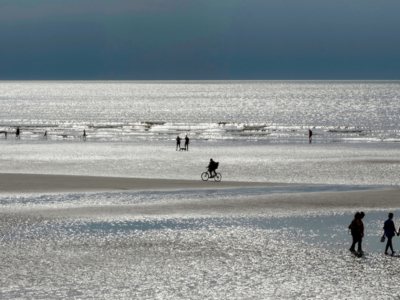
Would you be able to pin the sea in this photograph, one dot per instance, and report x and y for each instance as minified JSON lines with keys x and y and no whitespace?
{"x":257,"y":130}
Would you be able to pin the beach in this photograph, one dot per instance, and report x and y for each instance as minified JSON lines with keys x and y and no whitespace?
{"x":102,"y":237}
{"x":122,"y":214}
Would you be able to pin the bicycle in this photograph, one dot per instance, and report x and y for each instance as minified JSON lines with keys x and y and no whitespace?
{"x":217,"y":177}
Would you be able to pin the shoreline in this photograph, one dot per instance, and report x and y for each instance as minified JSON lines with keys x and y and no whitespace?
{"x":12,"y":183}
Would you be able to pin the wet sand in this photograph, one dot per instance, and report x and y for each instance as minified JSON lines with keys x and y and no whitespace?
{"x":269,"y":204}
{"x":38,"y":183}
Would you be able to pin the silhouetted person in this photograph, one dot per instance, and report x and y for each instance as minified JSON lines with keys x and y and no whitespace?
{"x":357,"y":231}
{"x":362,"y":215}
{"x":178,"y":143}
{"x":309,"y":135}
{"x":45,"y":134}
{"x":17,"y":133}
{"x":390,"y":232}
{"x":187,"y":143}
{"x":84,"y":134}
{"x":212,"y":166}
{"x":5,"y":134}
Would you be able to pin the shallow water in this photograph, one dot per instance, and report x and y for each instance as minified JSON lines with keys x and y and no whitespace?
{"x":182,"y":257}
{"x":113,"y":198}
{"x":321,"y":231}
{"x":273,"y":111}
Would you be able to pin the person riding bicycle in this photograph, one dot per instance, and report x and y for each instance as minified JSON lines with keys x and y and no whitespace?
{"x":212,"y":166}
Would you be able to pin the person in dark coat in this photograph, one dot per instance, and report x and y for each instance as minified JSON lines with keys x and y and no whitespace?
{"x":178,"y":143}
{"x":187,"y":143}
{"x":212,"y":166}
{"x":17,"y":133}
{"x":390,"y":232}
{"x":357,"y":232}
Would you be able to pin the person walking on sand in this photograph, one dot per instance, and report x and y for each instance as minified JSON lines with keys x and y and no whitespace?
{"x":309,"y":135}
{"x":390,"y":232}
{"x":17,"y":133}
{"x":84,"y":134}
{"x":357,"y":232}
{"x":187,"y":143}
{"x":178,"y":143}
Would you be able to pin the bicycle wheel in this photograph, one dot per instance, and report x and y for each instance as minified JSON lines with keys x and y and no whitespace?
{"x":205,"y":176}
{"x":218,"y":177}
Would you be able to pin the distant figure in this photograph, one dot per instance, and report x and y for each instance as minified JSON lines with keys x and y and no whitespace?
{"x":84,"y":134}
{"x":178,"y":143}
{"x":45,"y":134}
{"x":212,"y":166}
{"x":357,"y":232}
{"x":187,"y":143}
{"x":5,"y":134}
{"x":17,"y":133}
{"x":309,"y":135}
{"x":390,"y":232}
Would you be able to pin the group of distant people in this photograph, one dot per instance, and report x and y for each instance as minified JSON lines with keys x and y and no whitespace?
{"x":178,"y":139}
{"x":178,"y":143}
{"x":18,"y":134}
{"x":357,"y":232}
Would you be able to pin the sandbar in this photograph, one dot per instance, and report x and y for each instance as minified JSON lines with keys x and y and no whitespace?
{"x":268,"y":204}
{"x":42,"y":183}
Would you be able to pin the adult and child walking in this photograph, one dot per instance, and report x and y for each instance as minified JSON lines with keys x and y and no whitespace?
{"x":357,"y":232}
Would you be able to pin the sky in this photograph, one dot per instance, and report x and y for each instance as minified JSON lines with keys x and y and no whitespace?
{"x":199,"y":39}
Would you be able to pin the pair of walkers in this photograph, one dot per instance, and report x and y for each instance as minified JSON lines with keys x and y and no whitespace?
{"x":357,"y":232}
{"x":178,"y":143}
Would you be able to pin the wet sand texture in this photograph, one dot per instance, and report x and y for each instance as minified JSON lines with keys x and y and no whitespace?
{"x":270,"y":204}
{"x":298,"y":203}
{"x":38,"y":183}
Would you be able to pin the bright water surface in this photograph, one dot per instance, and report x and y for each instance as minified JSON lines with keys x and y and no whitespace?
{"x":273,"y":111}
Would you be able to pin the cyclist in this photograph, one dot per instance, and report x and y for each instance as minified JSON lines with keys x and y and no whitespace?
{"x":212,"y":166}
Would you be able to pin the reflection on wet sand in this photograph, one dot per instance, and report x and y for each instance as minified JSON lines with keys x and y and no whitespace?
{"x":50,"y":250}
